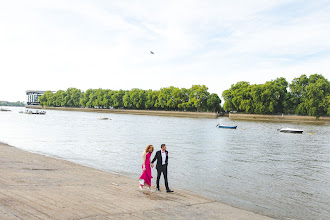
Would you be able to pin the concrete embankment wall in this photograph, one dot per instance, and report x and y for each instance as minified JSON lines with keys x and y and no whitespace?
{"x":135,"y":112}
{"x":279,"y":118}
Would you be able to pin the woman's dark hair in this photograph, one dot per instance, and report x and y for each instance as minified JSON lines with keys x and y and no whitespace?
{"x":161,"y":146}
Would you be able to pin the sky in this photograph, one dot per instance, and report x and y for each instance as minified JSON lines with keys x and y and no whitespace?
{"x":58,"y":44}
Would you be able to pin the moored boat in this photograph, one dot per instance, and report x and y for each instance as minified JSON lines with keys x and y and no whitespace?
{"x":291,"y":130}
{"x":4,"y":110}
{"x":40,"y":113}
{"x":101,"y":118}
{"x":29,"y":112}
{"x":228,"y":127}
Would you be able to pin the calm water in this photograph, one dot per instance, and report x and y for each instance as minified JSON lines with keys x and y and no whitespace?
{"x":255,"y":167}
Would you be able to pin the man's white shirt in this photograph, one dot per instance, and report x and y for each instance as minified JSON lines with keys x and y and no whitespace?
{"x":163,"y":157}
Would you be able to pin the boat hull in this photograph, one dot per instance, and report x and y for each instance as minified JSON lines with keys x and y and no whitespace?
{"x":295,"y":132}
{"x":34,"y":113}
{"x":291,"y":130}
{"x":227,"y":127}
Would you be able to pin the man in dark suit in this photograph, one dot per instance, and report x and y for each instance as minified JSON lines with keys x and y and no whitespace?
{"x":161,"y":166}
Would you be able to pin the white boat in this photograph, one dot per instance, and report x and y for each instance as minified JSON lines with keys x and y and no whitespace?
{"x":291,"y":130}
{"x":29,"y":112}
{"x":101,"y":118}
{"x":40,"y":113}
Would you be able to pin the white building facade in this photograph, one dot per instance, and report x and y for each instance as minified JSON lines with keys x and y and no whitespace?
{"x":33,"y":96}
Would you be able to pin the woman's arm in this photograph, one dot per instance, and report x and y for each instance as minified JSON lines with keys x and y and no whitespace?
{"x":144,"y":155}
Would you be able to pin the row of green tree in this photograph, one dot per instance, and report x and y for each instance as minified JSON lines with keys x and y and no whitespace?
{"x":6,"y":103}
{"x":197,"y":98}
{"x":303,"y":96}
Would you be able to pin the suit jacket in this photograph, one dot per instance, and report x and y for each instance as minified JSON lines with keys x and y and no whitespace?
{"x":158,"y":157}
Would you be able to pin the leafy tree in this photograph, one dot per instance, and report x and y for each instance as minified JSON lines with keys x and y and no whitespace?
{"x":98,"y":98}
{"x":198,"y":96}
{"x":297,"y":90}
{"x":273,"y":95}
{"x":43,"y":100}
{"x":152,"y":97}
{"x":73,"y":97}
{"x":137,"y":98}
{"x":127,"y":100}
{"x":142,"y":99}
{"x":6,"y":103}
{"x":178,"y":97}
{"x":162,"y":99}
{"x":59,"y":98}
{"x":260,"y":99}
{"x":168,"y":94}
{"x":117,"y":98}
{"x":184,"y":96}
{"x":235,"y":96}
{"x":309,"y":95}
{"x":47,"y":99}
{"x":213,"y":103}
{"x":327,"y":104}
{"x":91,"y":98}
{"x":107,"y":98}
{"x":85,"y":97}
{"x":169,"y":98}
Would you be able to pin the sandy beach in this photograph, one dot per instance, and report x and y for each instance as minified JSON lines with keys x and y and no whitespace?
{"x":33,"y":186}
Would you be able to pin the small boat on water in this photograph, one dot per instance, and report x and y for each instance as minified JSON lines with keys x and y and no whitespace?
{"x":29,"y":112}
{"x":228,"y":127}
{"x":4,"y":110}
{"x":40,"y":113}
{"x":101,"y":118}
{"x":291,"y":130}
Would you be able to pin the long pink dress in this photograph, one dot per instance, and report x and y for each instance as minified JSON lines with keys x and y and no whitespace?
{"x":146,"y":175}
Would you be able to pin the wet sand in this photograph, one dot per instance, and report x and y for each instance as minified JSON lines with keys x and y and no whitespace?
{"x":33,"y":186}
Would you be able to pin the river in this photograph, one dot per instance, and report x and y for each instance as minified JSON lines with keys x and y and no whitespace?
{"x":254,"y":167}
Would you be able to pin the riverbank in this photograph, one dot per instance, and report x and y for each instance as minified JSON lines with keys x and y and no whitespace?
{"x":279,"y":118}
{"x":134,"y":112}
{"x":33,"y":186}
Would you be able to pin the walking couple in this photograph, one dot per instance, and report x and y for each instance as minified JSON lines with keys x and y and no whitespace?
{"x":161,"y":166}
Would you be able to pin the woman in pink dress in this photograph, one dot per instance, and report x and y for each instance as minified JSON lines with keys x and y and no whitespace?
{"x":145,"y":178}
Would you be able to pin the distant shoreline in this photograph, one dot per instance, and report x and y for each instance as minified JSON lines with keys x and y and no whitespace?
{"x":232,"y":116}
{"x":279,"y":118}
{"x":135,"y":112}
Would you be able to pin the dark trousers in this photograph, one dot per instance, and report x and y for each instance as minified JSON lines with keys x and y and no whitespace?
{"x":160,"y":170}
